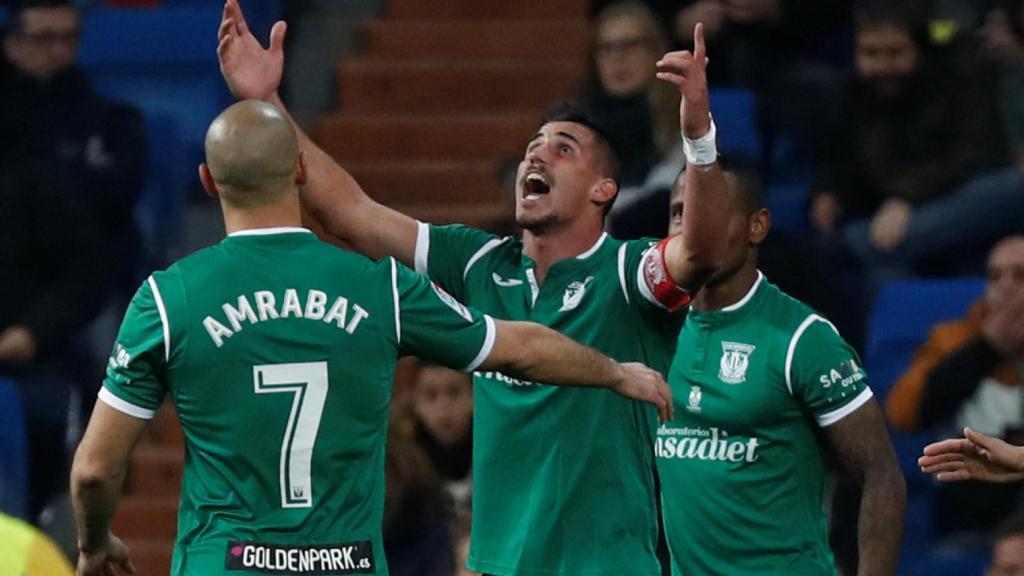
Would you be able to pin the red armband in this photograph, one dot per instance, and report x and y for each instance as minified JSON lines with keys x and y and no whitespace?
{"x":661,"y":288}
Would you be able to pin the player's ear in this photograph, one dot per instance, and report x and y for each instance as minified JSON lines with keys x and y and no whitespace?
{"x":604,"y":192}
{"x":300,"y":169}
{"x":760,"y":224}
{"x":206,"y":178}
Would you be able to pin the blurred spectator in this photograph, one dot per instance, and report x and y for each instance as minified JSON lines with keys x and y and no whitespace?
{"x":442,"y":404}
{"x":1003,"y":38}
{"x":417,"y":536}
{"x":1008,"y":549}
{"x":51,"y":112}
{"x":968,"y":373}
{"x":640,"y":112}
{"x":50,"y":252}
{"x":25,"y":550}
{"x":917,"y":182}
{"x":461,"y":531}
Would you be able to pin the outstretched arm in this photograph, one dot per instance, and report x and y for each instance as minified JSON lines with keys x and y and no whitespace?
{"x":974,"y":457}
{"x":534,"y":352}
{"x":693,"y":256}
{"x":334,"y":200}
{"x":96,"y":479}
{"x":862,"y":445}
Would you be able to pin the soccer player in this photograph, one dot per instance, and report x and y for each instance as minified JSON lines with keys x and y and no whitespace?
{"x":562,"y":479}
{"x":278,"y":351}
{"x":766,"y":389}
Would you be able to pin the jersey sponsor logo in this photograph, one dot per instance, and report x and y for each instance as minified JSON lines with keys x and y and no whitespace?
{"x":452,"y":302}
{"x":694,"y":401}
{"x":347,"y":558}
{"x":499,"y":377}
{"x":574,"y":293}
{"x":119,"y":358}
{"x":345,"y":315}
{"x":732,"y":368}
{"x":846,"y":374}
{"x":506,"y":281}
{"x":704,"y":444}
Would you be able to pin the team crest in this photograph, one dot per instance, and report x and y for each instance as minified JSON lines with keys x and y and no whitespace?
{"x":695,"y":396}
{"x":732,"y":369}
{"x":574,"y":294}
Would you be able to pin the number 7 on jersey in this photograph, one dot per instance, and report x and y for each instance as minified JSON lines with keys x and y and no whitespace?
{"x":307,"y":382}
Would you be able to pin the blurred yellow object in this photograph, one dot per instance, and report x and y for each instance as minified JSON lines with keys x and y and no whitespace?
{"x":25,"y":551}
{"x":942,"y":31}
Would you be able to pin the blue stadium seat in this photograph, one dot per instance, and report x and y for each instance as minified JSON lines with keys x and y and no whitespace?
{"x":903,"y":315}
{"x":735,"y":118}
{"x":945,"y":563}
{"x":160,"y":207}
{"x":13,"y":452}
{"x":788,"y":206}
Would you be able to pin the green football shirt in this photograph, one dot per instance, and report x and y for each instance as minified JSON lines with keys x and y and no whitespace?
{"x":562,"y":477}
{"x":742,"y":464}
{"x":278,"y":351}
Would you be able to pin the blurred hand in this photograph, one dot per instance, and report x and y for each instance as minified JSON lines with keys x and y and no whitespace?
{"x":639,"y":382}
{"x":889,"y":225}
{"x":112,"y":560}
{"x":974,"y":457}
{"x":707,"y":12}
{"x":1003,"y":327}
{"x":825,"y":212}
{"x":251,"y":72}
{"x":752,"y":11}
{"x":17,"y":345}
{"x":688,"y":71}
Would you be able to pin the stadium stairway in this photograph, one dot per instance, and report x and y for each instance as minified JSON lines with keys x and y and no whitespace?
{"x":445,"y":93}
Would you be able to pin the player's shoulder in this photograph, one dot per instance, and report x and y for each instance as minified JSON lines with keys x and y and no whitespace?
{"x":785,"y":310}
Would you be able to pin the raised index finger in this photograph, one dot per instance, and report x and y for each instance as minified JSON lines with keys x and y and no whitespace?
{"x":699,"y":51}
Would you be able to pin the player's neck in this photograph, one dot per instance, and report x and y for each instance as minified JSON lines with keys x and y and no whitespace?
{"x":546,"y":248}
{"x":728,"y":292}
{"x":273,"y":216}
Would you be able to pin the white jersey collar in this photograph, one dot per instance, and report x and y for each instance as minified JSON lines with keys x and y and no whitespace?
{"x":594,"y":248}
{"x":750,"y":294}
{"x":269,"y":231}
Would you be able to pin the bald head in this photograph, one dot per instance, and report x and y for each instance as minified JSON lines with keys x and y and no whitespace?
{"x":252,"y":153}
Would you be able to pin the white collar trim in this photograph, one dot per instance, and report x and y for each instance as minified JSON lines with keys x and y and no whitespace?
{"x":269,"y":231}
{"x":745,"y":299}
{"x":594,"y":248}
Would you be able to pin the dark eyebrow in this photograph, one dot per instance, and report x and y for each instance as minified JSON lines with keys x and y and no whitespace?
{"x":533,"y":138}
{"x":570,"y":137}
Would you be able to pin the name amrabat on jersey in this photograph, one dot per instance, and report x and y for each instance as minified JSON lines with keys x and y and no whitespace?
{"x":264,"y":306}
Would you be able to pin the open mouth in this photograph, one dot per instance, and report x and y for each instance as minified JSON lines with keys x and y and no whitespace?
{"x":535,"y":185}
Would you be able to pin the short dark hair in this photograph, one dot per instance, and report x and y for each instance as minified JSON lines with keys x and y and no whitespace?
{"x":751,"y":188}
{"x":910,"y":15}
{"x":17,"y":9}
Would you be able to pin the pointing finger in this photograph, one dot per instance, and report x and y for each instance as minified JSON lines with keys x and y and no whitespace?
{"x":699,"y":50}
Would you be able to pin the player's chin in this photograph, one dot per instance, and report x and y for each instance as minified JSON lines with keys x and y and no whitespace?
{"x":534,"y":221}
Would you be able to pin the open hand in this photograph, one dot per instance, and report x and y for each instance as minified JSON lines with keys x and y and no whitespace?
{"x":251,"y":72}
{"x":974,"y":457}
{"x":641,"y":383}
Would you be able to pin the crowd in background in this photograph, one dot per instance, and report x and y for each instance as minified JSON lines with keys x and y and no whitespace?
{"x":902,"y":121}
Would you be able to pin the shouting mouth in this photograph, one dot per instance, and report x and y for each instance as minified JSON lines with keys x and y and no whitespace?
{"x":535,"y":185}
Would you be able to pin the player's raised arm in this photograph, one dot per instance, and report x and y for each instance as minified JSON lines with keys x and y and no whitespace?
{"x":331,"y":196}
{"x":534,"y":352}
{"x":692,"y":257}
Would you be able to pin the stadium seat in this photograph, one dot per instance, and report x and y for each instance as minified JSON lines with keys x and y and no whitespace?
{"x":13,"y":452}
{"x":735,"y":117}
{"x":946,"y":563}
{"x":160,"y":207}
{"x":903,"y":315}
{"x":788,"y":206}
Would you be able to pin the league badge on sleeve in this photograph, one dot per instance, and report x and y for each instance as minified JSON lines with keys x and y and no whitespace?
{"x":452,"y":303}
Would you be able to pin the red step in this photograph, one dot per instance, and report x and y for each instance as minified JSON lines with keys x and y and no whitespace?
{"x":486,"y":9}
{"x":147,"y":517}
{"x":534,"y":40}
{"x":156,"y":471}
{"x":371,"y":85}
{"x":442,"y":137}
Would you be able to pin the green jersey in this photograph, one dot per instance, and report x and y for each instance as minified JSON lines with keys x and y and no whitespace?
{"x":562,"y":477}
{"x":742,"y":464}
{"x":278,"y":351}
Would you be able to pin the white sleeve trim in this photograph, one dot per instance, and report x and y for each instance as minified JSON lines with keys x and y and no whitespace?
{"x":845,"y":410}
{"x":422,"y":252}
{"x":125,"y":407}
{"x":490,"y":245}
{"x":394,"y":294}
{"x":163,"y":317}
{"x":792,"y":347}
{"x":622,"y":271}
{"x":641,"y":283}
{"x":488,"y":345}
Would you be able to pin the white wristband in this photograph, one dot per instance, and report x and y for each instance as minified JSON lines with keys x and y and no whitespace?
{"x":702,"y":151}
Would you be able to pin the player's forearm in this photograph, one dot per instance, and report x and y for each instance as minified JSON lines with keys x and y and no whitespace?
{"x":95,"y":491}
{"x":702,"y":246}
{"x":533,"y":352}
{"x":880,"y":529}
